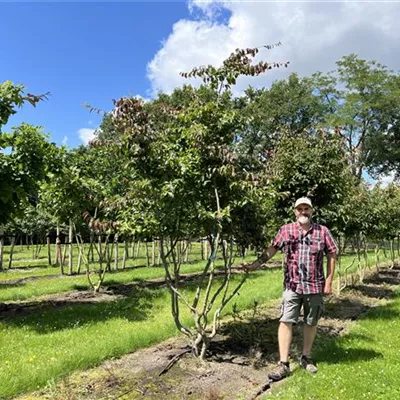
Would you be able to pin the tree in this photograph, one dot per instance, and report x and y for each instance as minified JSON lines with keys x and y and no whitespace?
{"x":362,"y":98}
{"x":24,"y":163}
{"x":289,"y":106}
{"x":186,"y":182}
{"x":313,"y":165}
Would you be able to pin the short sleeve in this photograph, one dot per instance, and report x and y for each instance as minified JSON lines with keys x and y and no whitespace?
{"x":330,"y":244}
{"x":279,"y":240}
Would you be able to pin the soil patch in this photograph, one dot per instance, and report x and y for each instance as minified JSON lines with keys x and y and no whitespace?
{"x":238,"y":361}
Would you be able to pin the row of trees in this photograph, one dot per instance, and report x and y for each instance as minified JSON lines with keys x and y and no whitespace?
{"x":202,"y":163}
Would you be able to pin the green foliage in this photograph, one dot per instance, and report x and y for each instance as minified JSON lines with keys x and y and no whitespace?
{"x":12,"y":96}
{"x":23,"y":168}
{"x":362,"y":98}
{"x":289,"y":106}
{"x":312,"y":165}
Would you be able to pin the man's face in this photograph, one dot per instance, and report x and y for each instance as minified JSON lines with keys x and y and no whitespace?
{"x":303,"y":213}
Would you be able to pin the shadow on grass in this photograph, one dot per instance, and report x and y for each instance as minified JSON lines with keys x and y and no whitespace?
{"x":49,"y":316}
{"x":29,"y":265}
{"x":345,"y":309}
{"x":376,"y":292}
{"x":336,"y":353}
{"x":10,"y":283}
{"x":256,"y":341}
{"x":13,"y":284}
{"x":384,"y":312}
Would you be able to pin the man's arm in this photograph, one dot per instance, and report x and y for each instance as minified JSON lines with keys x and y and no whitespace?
{"x":265,"y":256}
{"x":329,"y":273}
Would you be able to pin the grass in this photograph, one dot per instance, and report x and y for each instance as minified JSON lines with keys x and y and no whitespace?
{"x":51,"y":342}
{"x":46,"y":286}
{"x":361,"y":365}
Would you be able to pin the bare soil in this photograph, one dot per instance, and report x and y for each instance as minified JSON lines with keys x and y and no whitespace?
{"x":238,"y":361}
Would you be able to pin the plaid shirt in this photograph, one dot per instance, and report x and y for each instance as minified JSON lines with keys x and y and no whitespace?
{"x":304,"y":272}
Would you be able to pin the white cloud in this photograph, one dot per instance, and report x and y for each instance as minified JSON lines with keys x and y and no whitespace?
{"x":313,"y":34}
{"x":65,"y":140}
{"x":139,"y":97}
{"x":86,"y":135}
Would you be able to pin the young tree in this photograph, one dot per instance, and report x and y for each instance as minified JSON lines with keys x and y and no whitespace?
{"x":186,"y":182}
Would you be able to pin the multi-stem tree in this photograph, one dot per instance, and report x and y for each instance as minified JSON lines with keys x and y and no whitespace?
{"x":186,"y":182}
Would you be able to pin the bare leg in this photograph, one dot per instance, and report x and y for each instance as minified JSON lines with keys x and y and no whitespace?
{"x":285,"y":340}
{"x":309,"y":335}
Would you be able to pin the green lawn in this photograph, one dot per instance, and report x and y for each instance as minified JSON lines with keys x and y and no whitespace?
{"x":364,"y":364}
{"x":48,"y":341}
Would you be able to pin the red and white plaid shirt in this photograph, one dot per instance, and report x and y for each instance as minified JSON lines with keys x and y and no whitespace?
{"x":304,"y":272}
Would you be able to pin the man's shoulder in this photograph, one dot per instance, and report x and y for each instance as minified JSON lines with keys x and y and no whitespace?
{"x":289,"y":226}
{"x":321,"y":228}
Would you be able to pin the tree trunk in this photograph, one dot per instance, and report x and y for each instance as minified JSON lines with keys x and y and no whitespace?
{"x":153,"y":252}
{"x":70,"y":240}
{"x":100,"y":251}
{"x":64,"y":253}
{"x":377,"y":250}
{"x":108,"y":257}
{"x":205,"y":244}
{"x":1,"y":249}
{"x":91,"y":252}
{"x":187,"y":251}
{"x":116,"y":252}
{"x":33,"y":248}
{"x":11,"y":252}
{"x":132,"y":248}
{"x":138,"y":249}
{"x":58,"y":256}
{"x":48,"y":249}
{"x":391,"y":253}
{"x":147,"y":254}
{"x":78,"y":268}
{"x":126,"y":255}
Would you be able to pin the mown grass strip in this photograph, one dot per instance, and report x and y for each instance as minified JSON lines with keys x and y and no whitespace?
{"x":50,"y":342}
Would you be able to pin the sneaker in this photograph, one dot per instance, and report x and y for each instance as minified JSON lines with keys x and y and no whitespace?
{"x":281,"y":371}
{"x":308,"y":364}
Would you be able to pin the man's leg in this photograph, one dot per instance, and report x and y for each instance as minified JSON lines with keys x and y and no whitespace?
{"x":291,"y":305}
{"x":313,"y":308}
{"x":309,"y":335}
{"x":285,"y":340}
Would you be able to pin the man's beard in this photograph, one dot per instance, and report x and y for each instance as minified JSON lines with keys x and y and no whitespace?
{"x":303,"y":219}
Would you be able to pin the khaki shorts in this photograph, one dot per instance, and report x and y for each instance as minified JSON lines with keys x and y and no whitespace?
{"x":313,"y":305}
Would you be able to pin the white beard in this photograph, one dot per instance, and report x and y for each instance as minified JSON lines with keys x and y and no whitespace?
{"x":303,"y":220}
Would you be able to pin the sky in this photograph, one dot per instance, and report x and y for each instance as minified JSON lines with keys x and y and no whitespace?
{"x":93,"y":52}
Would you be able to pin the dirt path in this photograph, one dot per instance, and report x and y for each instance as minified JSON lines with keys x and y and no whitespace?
{"x":239,"y":358}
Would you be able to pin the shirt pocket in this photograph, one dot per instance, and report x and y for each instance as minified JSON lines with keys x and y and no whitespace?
{"x":292,"y":246}
{"x":317,"y":246}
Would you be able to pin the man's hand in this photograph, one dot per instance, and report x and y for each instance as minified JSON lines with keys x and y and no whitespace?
{"x":251,"y":267}
{"x":328,"y":288}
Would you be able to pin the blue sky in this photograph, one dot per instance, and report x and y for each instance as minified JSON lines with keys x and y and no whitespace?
{"x":93,"y":52}
{"x":80,"y":53}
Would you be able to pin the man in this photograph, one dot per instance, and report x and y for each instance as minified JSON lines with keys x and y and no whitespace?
{"x":304,"y":244}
